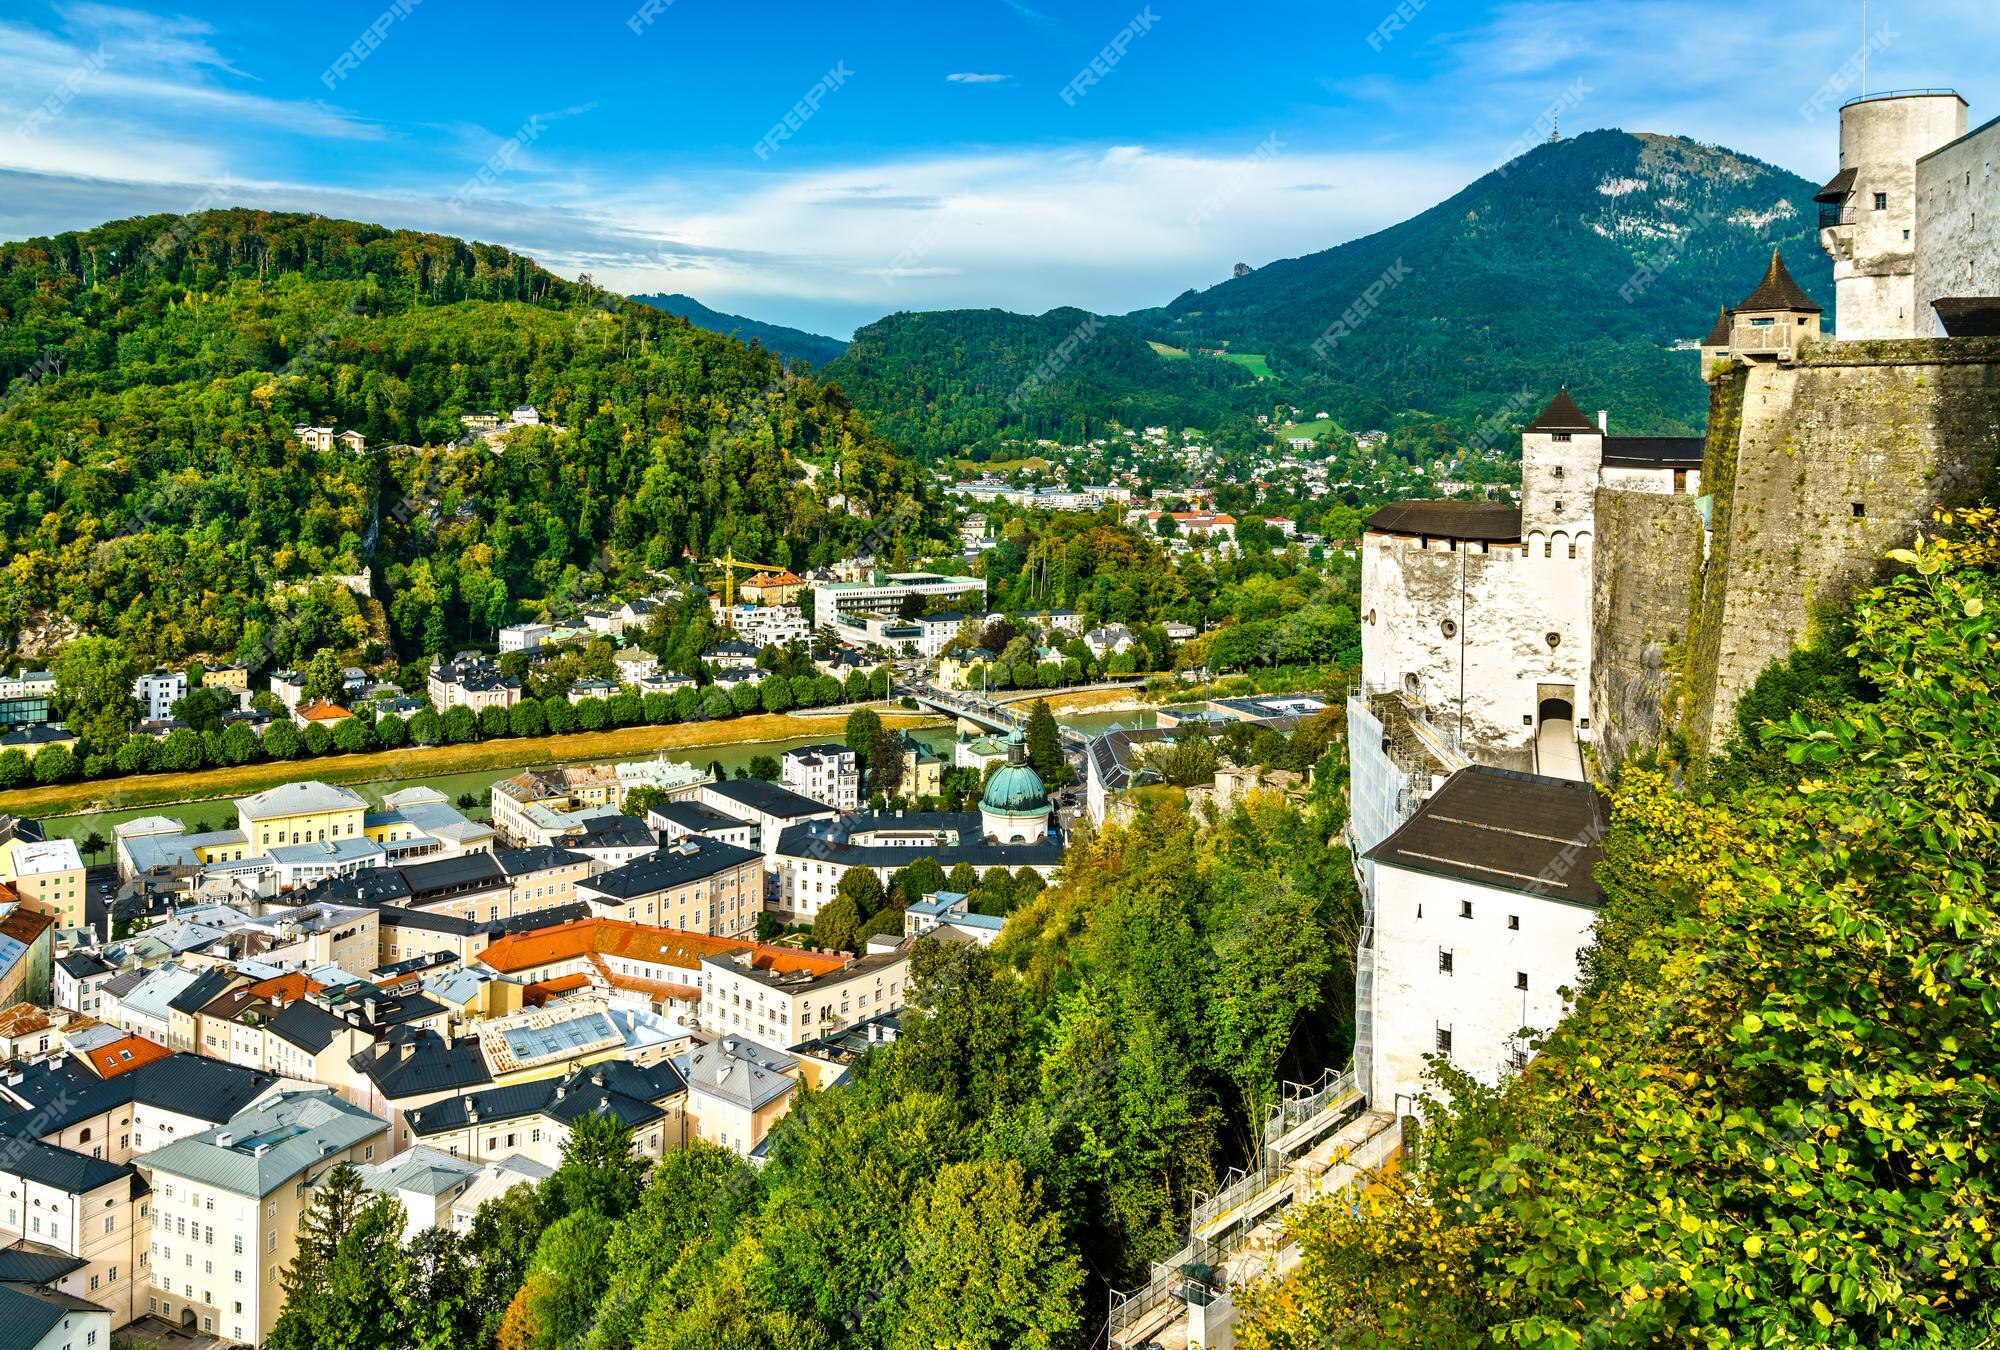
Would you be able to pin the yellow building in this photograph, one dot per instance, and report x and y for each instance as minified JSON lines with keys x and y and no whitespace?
{"x":299,"y":813}
{"x":46,"y":873}
{"x":236,"y":679}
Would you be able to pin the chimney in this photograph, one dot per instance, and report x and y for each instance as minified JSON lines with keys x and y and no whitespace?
{"x":225,"y":1140}
{"x":1603,"y":421}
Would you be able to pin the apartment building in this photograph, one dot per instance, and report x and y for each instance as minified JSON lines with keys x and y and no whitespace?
{"x":696,"y":884}
{"x":228,"y":1203}
{"x":828,"y":773}
{"x":47,"y":875}
{"x":300,"y":813}
{"x":736,"y":1091}
{"x":477,"y":685}
{"x":539,"y":807}
{"x":778,"y":1001}
{"x":81,"y":1208}
{"x":532,"y":1120}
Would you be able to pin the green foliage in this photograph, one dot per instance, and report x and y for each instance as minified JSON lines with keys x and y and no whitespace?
{"x":347,"y":1286}
{"x":1765,"y":1122}
{"x":153,"y":490}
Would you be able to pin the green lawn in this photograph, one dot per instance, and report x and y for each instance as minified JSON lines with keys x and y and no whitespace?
{"x":1252,"y":362}
{"x":1310,"y":429}
{"x":1171,"y":353}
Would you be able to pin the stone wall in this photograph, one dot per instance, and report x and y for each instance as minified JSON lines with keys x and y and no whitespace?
{"x":1834,"y":461}
{"x":1648,"y":557}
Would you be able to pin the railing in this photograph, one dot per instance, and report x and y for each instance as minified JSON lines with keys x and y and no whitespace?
{"x":1775,"y":338}
{"x":1127,"y":1309}
{"x":1899,"y":93}
{"x":1832,"y":216}
{"x":1301,"y":1103}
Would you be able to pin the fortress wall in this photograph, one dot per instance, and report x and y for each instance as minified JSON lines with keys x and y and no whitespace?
{"x":1837,"y":459}
{"x":1648,"y":560}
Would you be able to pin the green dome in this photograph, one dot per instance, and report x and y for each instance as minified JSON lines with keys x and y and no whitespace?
{"x":1015,"y":789}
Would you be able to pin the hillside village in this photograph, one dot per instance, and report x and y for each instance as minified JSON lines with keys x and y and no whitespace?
{"x":437,"y":992}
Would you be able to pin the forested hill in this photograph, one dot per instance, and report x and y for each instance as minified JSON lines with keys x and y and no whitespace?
{"x":792,"y":344}
{"x":947,"y":380}
{"x":1583,"y":261}
{"x":151,"y":486}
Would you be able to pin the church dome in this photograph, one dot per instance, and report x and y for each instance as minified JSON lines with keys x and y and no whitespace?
{"x":1015,"y":788}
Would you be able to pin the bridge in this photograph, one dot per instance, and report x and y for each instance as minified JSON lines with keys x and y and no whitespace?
{"x":1004,"y":713}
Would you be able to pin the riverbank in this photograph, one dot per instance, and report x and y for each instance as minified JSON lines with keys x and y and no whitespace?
{"x":429,"y":761}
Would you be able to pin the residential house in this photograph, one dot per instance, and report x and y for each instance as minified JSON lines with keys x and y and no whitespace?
{"x":736,"y":1091}
{"x":473,"y":684}
{"x":696,"y":884}
{"x":158,"y":691}
{"x":829,"y":773}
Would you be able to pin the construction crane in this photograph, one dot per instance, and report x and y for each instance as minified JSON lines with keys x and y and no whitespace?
{"x":727,"y":565}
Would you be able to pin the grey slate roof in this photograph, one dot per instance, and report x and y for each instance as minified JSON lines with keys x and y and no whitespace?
{"x":258,"y":1150}
{"x":692,"y":859}
{"x":828,"y":840}
{"x":60,"y":1168}
{"x":32,"y":1263}
{"x":768,"y":798}
{"x":1493,"y":522}
{"x":1653,"y":452}
{"x":290,"y":799}
{"x":28,"y":1314}
{"x":740,"y":1072}
{"x":1515,"y":831}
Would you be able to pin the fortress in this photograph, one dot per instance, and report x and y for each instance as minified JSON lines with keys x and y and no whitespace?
{"x":1511,"y":655}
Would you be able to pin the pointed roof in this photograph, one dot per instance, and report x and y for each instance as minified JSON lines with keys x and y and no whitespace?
{"x":1562,"y":414}
{"x":1718,"y":336}
{"x":1778,"y":291}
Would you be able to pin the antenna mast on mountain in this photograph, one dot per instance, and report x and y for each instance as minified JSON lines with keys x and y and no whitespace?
{"x":1556,"y":131}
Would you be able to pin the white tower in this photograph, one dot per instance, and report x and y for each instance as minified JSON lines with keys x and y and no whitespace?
{"x":1868,"y":213}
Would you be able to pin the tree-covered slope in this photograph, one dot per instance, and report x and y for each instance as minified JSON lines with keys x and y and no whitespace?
{"x":793,"y":344}
{"x":1584,"y":260}
{"x":948,"y":381}
{"x":151,"y":486}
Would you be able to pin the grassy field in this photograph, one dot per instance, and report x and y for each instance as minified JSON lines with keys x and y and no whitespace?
{"x":1252,"y":362}
{"x":1171,"y":353}
{"x":1033,"y":463}
{"x":437,"y":765}
{"x":1312,"y":429}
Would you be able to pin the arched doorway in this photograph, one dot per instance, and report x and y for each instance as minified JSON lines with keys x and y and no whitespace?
{"x":1554,"y":710}
{"x":187,"y":1319}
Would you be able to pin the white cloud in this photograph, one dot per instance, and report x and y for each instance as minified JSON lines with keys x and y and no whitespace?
{"x":969,"y":77}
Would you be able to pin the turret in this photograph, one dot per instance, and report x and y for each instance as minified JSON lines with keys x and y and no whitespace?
{"x":1560,"y":454}
{"x":1868,"y":212}
{"x":1775,"y":320}
{"x":1715,"y":347}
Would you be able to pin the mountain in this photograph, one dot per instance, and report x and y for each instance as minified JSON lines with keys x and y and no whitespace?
{"x":152,"y":489}
{"x":940,"y":383}
{"x":793,"y":344}
{"x":1584,"y":261}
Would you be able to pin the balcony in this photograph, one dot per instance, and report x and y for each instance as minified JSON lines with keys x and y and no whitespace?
{"x":1776,"y":340}
{"x":1833,"y":217}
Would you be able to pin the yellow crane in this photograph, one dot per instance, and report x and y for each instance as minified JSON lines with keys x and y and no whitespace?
{"x":727,"y":565}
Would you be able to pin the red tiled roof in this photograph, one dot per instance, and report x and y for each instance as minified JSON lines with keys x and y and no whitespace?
{"x":123,"y":1056}
{"x":322,"y":711}
{"x":520,"y":952}
{"x":22,"y":1019}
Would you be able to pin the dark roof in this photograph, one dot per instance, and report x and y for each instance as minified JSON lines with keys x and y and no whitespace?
{"x":58,"y":1095}
{"x":625,"y":1091}
{"x":1718,"y":336}
{"x":827,"y":840}
{"x":1514,"y":831}
{"x":83,"y":965}
{"x":768,"y":798}
{"x":1112,"y":757}
{"x":1778,"y":291}
{"x":369,"y":886}
{"x":691,"y":859}
{"x":697,"y":817}
{"x":411,"y":1064}
{"x":1837,"y":188}
{"x":544,"y":918}
{"x":1562,"y":414}
{"x":423,"y":920}
{"x":520,"y":861}
{"x":1494,"y":522}
{"x":28,"y":1314}
{"x":307,"y":1025}
{"x":452,"y":876}
{"x":60,"y":1168}
{"x":29,"y":1263}
{"x":1653,"y":452}
{"x":611,"y":832}
{"x":203,"y":989}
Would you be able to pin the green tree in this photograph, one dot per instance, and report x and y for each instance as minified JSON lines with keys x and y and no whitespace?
{"x":765,"y":768}
{"x":346,"y":1287}
{"x":598,"y":1171}
{"x":15,"y":770}
{"x":558,"y":1300}
{"x":885,"y":762}
{"x":864,"y":726}
{"x":526,"y":719}
{"x":55,"y":764}
{"x":1045,"y":752}
{"x":838,"y":922}
{"x":461,"y":725}
{"x":94,"y":679}
{"x":980,"y":1226}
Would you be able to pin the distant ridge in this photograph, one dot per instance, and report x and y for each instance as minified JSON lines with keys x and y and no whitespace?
{"x":792,"y":344}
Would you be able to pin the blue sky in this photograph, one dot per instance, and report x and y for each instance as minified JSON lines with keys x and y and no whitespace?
{"x":822,"y":164}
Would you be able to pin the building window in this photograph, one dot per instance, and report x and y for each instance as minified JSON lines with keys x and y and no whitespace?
{"x":1444,"y":1040}
{"x":1449,"y":628}
{"x":1514,"y":923}
{"x":1560,"y":436}
{"x":1520,"y":979}
{"x":1881,"y":201}
{"x":1559,"y":468}
{"x":1465,"y":909}
{"x":1860,"y":508}
{"x":1517,"y":1060}
{"x":1444,"y":961}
